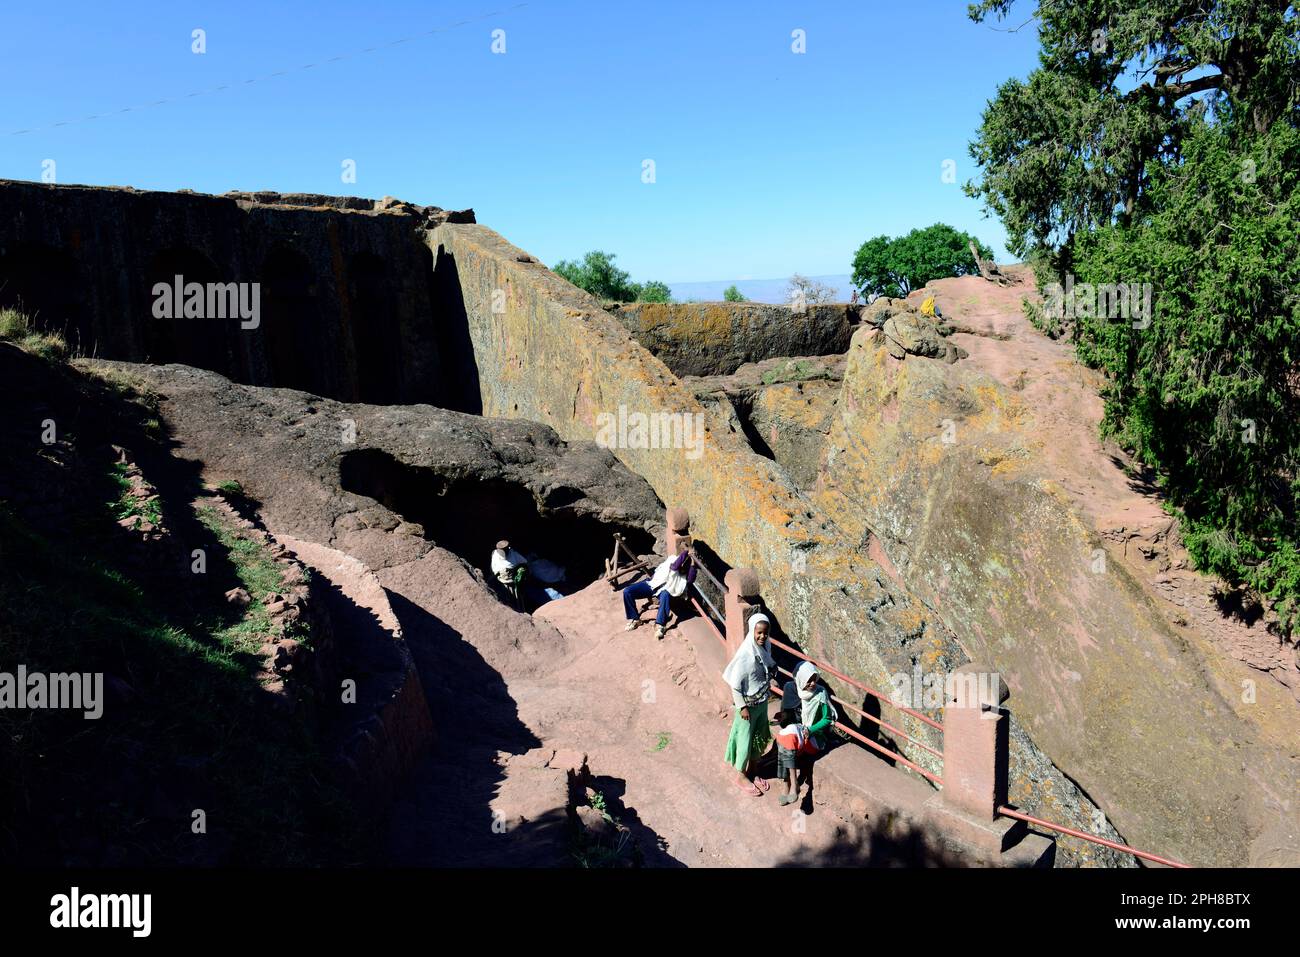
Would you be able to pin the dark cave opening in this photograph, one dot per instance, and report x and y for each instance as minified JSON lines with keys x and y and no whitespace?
{"x":469,"y":516}
{"x":376,"y":337}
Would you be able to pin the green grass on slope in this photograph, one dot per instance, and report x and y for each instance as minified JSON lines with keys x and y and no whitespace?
{"x":189,"y":735}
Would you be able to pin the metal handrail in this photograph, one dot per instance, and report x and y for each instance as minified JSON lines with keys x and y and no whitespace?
{"x":1094,"y":838}
{"x":1003,"y":810}
{"x":870,"y":717}
{"x":822,"y":666}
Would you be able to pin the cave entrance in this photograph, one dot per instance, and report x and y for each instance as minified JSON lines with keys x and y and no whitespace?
{"x":469,"y":516}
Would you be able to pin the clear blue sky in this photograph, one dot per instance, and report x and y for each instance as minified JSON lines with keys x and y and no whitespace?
{"x":767,"y":162}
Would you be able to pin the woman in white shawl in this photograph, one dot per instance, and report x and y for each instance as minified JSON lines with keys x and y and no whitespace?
{"x":750,"y":677}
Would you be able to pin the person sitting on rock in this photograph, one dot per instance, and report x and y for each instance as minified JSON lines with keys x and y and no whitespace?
{"x":670,"y":580}
{"x":806,"y":714}
{"x":931,"y":308}
{"x":749,"y":675}
{"x":510,"y":568}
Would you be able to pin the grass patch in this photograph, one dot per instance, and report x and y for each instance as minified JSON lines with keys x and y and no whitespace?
{"x":259,"y":575}
{"x":128,"y":506}
{"x":191,"y":735}
{"x":17,"y":328}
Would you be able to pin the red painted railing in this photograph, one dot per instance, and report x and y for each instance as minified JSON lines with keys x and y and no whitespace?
{"x":1003,"y":810}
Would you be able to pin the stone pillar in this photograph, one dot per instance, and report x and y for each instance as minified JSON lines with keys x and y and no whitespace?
{"x":678,"y":521}
{"x":975,"y":743}
{"x":741,"y":602}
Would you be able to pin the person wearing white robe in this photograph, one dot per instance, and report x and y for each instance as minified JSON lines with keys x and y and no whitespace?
{"x":749,"y":675}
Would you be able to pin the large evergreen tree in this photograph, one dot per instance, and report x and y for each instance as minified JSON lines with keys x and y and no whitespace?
{"x":1157,"y":144}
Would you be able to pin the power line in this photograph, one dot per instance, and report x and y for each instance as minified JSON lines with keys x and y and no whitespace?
{"x":268,"y":76}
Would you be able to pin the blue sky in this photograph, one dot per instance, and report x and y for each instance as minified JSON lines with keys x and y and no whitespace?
{"x":767,"y":162}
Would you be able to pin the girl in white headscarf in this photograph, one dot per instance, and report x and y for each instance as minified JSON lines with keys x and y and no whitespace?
{"x":808,"y":700}
{"x":749,"y":675}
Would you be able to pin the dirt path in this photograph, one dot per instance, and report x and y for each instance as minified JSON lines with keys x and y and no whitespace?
{"x":654,"y":731}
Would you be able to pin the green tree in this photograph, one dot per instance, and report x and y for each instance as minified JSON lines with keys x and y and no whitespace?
{"x":598,"y":275}
{"x":1071,"y":147}
{"x":654,"y":291}
{"x":1207,"y":393}
{"x":894,"y":267}
{"x":732,"y":294}
{"x":1156,"y":146}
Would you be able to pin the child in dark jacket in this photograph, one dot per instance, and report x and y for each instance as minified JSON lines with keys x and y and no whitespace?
{"x":670,"y":580}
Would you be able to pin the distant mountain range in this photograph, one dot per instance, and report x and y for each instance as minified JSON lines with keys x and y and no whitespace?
{"x":755,"y":290}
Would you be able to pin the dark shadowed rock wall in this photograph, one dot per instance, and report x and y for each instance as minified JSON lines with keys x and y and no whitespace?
{"x":345,"y":303}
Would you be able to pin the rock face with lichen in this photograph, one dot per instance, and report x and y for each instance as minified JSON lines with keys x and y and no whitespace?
{"x":716,"y":338}
{"x":555,"y":356}
{"x":937,"y":465}
{"x":785,"y":408}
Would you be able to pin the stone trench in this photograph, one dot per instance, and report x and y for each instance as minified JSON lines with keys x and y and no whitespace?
{"x":823,"y":468}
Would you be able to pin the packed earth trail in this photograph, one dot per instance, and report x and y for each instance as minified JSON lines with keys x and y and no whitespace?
{"x":652,"y":718}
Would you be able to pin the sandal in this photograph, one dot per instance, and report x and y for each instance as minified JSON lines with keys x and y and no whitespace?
{"x":785,"y":799}
{"x":748,"y":789}
{"x":762,"y":785}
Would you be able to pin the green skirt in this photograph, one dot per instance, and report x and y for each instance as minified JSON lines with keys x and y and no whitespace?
{"x":748,"y":739}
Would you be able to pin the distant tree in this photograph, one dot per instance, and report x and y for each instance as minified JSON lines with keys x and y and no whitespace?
{"x":802,"y":290}
{"x":598,"y":275}
{"x":653,"y":291}
{"x":732,"y":294}
{"x":894,"y":267}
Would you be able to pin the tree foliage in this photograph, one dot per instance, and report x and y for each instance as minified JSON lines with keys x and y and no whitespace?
{"x":894,"y":267}
{"x":1071,"y":147}
{"x":653,"y":291}
{"x":598,"y":275}
{"x":732,"y":294}
{"x":1209,"y":393}
{"x":1157,"y":144}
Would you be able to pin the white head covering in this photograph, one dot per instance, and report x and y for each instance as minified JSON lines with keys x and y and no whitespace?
{"x":811,"y":699}
{"x":748,"y":671}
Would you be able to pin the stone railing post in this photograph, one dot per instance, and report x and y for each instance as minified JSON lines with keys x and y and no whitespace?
{"x":975,"y":743}
{"x":678,"y":521}
{"x":742,"y":601}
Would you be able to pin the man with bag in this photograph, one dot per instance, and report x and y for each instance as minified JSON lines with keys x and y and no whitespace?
{"x":670,"y":580}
